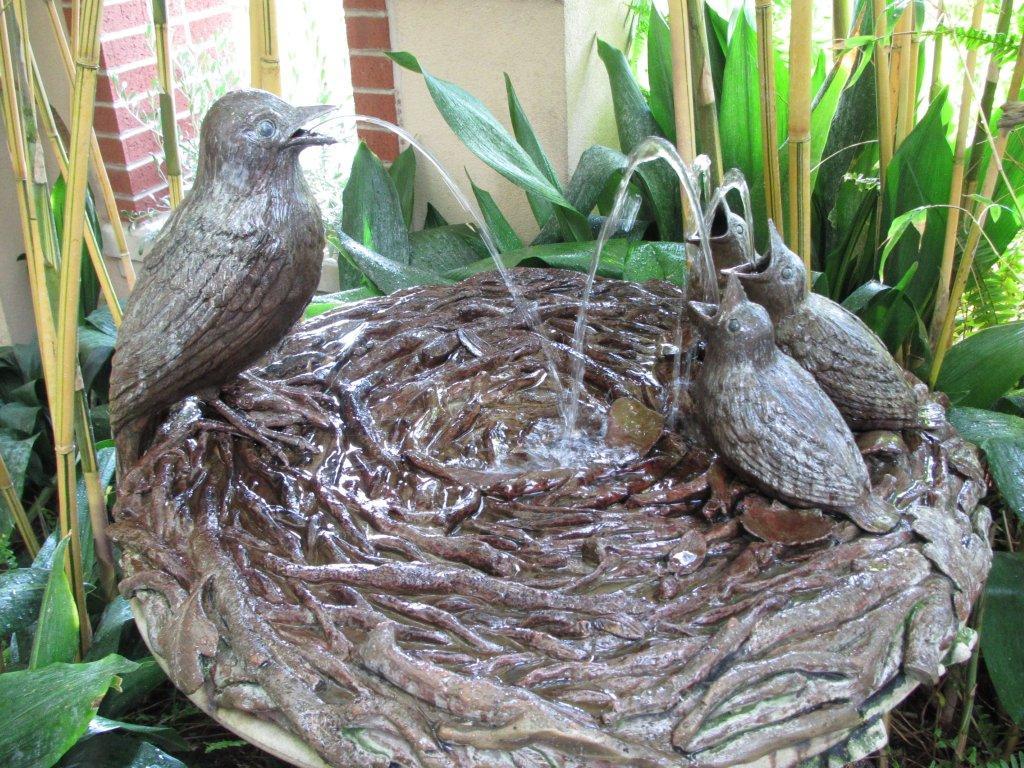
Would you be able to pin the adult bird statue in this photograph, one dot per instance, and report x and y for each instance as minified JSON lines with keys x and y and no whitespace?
{"x":848,"y":360}
{"x":228,"y":275}
{"x":770,"y":421}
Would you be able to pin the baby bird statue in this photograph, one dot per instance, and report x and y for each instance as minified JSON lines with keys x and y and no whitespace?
{"x":848,"y":360}
{"x":727,"y":236}
{"x":771,"y":422}
{"x":229,"y":274}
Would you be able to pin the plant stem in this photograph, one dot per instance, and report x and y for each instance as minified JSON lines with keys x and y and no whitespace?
{"x":94,"y":495}
{"x":706,"y":139}
{"x":87,"y":53}
{"x":840,"y":26}
{"x":99,"y":168}
{"x":904,"y":73}
{"x":976,"y":229}
{"x":769,"y":123}
{"x":972,"y":686}
{"x":936,"y":82}
{"x":956,"y":186}
{"x":168,"y":120}
{"x":265,"y":64}
{"x":799,"y":230}
{"x":17,"y":510}
{"x":882,"y":92}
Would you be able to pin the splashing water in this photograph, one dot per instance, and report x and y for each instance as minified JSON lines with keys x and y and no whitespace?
{"x":650,"y":149}
{"x":733,"y":179}
{"x":524,"y":308}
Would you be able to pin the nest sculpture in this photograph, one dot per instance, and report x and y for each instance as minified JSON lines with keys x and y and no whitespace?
{"x":400,"y":581}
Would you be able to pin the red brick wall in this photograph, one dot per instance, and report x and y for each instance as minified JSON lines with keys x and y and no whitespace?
{"x":127,"y":56}
{"x":373,"y":74}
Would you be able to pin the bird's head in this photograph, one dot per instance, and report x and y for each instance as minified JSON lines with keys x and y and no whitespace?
{"x":727,"y":234}
{"x":251,"y":135}
{"x":777,"y":280}
{"x":736,"y":329}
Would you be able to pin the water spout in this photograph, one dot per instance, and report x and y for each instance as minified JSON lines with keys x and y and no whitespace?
{"x":733,"y":179}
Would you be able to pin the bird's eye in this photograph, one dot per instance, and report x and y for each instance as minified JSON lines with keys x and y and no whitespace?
{"x":787,"y":273}
{"x":733,"y":325}
{"x":266,"y":129}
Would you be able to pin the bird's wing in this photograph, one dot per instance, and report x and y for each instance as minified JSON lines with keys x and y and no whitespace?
{"x":784,"y":431}
{"x":198,"y":286}
{"x":848,"y":358}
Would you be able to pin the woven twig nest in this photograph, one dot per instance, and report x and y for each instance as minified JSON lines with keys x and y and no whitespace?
{"x":417,"y":592}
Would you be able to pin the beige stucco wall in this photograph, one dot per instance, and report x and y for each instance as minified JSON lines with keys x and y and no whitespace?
{"x":548,"y":49}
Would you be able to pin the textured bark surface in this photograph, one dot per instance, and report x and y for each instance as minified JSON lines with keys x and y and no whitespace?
{"x":415,"y":593}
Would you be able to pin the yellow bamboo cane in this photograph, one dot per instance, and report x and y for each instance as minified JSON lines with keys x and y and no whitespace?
{"x":13,"y":501}
{"x":705,"y":107}
{"x":956,"y":184}
{"x":900,"y":70}
{"x":799,"y":230}
{"x":977,"y":227}
{"x":769,"y":120}
{"x":168,"y":118}
{"x":840,"y":26}
{"x":83,"y":96}
{"x":266,"y":65}
{"x":936,"y":81}
{"x":882,"y":92}
{"x":99,"y":168}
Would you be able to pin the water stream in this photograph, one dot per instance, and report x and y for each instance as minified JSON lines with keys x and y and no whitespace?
{"x":734,"y":180}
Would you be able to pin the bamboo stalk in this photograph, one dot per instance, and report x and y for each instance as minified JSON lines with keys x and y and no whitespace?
{"x":881,"y":59}
{"x":936,"y":82}
{"x":799,"y":230}
{"x":977,"y":227}
{"x":266,"y":65}
{"x":901,"y":70}
{"x":168,"y":119}
{"x":840,"y":26}
{"x":99,"y":168}
{"x":988,"y":95}
{"x":87,"y":53}
{"x":17,"y":510}
{"x":706,"y":139}
{"x":94,"y":493}
{"x":956,"y":185}
{"x":61,"y":156}
{"x":769,"y":124}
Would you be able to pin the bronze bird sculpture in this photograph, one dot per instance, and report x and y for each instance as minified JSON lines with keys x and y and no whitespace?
{"x":848,"y":360}
{"x":230,"y":272}
{"x":771,"y":422}
{"x":727,"y":236}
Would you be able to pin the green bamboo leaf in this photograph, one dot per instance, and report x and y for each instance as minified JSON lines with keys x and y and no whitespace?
{"x":1002,"y":642}
{"x":978,"y":370}
{"x":718,"y":36}
{"x":980,"y":424}
{"x":17,"y":454}
{"x":542,"y":208}
{"x":56,"y":636}
{"x":403,"y":174}
{"x":61,"y":697}
{"x":447,"y":247}
{"x":370,"y":206}
{"x":667,"y":261}
{"x":504,"y":236}
{"x":21,"y":594}
{"x":659,"y":72}
{"x":1006,"y":463}
{"x":483,"y":135}
{"x":596,"y":166}
{"x":163,"y":735}
{"x":387,"y":275}
{"x":635,"y":123}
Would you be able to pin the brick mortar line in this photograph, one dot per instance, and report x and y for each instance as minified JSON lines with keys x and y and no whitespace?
{"x":367,"y":52}
{"x":364,"y":13}
{"x":370,"y":91}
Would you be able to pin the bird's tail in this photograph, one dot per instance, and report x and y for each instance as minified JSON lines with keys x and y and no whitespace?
{"x":873,"y":514}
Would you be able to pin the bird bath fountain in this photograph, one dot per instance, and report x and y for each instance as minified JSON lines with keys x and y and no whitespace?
{"x":411,"y":581}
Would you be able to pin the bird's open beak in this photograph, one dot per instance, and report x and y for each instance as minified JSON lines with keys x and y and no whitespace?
{"x":302,"y":135}
{"x":704,"y":314}
{"x":751,"y":272}
{"x":719,"y":226}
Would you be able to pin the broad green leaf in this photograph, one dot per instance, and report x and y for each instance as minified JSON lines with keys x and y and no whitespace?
{"x":575,"y":256}
{"x":505,"y":238}
{"x":56,"y":636}
{"x":739,"y":114}
{"x":659,"y":72}
{"x":596,"y":166}
{"x":330,"y":301}
{"x":370,"y":204}
{"x":1002,"y":642}
{"x":135,"y":686}
{"x":387,"y":275}
{"x":523,"y":131}
{"x":860,"y":298}
{"x":16,"y":453}
{"x":635,"y":123}
{"x":823,"y":111}
{"x":446,"y":247}
{"x":97,"y":338}
{"x":116,"y":750}
{"x":483,"y":135}
{"x":1006,"y":463}
{"x":433,"y":218}
{"x":44,"y":711}
{"x":20,"y":419}
{"x":979,"y":424}
{"x":666,"y":261}
{"x":106,"y":638}
{"x":403,"y":174}
{"x":161,"y":734}
{"x":980,"y":369}
{"x":21,"y":594}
